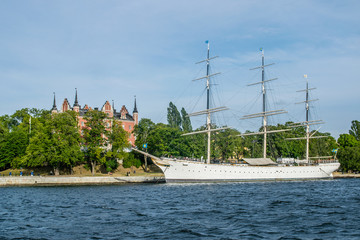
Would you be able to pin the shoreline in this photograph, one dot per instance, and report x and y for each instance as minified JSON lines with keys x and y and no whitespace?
{"x":76,"y":181}
{"x":345,"y":175}
{"x":22,"y":181}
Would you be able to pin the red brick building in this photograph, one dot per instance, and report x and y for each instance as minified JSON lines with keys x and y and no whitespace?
{"x":128,"y":121}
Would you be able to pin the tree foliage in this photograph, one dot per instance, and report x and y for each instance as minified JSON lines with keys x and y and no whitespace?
{"x":347,"y":140}
{"x":355,"y":129}
{"x":173,"y":116}
{"x":142,"y":130}
{"x":94,"y":138}
{"x":131,"y":160}
{"x":35,"y":138}
{"x":225,"y":143}
{"x":185,"y":121}
{"x":118,"y":140}
{"x":349,"y":158}
{"x":349,"y":148}
{"x":56,"y":144}
{"x":13,"y":146}
{"x":15,"y":132}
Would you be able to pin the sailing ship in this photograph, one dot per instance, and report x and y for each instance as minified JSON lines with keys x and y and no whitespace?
{"x":252,"y":169}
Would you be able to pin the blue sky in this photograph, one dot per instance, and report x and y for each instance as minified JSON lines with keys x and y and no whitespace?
{"x":113,"y":50}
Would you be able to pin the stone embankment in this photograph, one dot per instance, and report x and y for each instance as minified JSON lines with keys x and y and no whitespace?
{"x":346,"y":175}
{"x":60,"y":181}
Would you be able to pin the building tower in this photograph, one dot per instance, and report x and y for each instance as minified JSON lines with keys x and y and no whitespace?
{"x":135,"y":113}
{"x":76,"y":106}
{"x":54,"y":109}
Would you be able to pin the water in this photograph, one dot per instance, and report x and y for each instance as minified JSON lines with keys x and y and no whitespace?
{"x":259,"y":210}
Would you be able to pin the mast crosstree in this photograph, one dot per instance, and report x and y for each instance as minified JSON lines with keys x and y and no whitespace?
{"x":208,"y":110}
{"x":307,"y":123}
{"x":264,"y":114}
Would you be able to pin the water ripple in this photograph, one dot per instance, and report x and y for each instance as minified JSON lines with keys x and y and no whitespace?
{"x":260,"y":210}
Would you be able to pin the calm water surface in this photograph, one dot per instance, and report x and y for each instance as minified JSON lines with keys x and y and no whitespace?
{"x":260,"y":210}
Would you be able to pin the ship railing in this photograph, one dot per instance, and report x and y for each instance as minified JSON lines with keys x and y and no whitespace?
{"x":182,"y":158}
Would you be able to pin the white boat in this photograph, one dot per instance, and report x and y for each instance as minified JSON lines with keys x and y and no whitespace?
{"x":251,"y":169}
{"x":176,"y":170}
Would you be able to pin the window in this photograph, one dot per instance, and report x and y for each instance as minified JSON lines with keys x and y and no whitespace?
{"x":123,"y":126}
{"x":129,"y":127}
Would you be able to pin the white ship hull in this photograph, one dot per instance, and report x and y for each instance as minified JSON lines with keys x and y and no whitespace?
{"x":188,"y":171}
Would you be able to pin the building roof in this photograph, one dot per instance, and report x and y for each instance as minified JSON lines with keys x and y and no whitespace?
{"x":117,"y":115}
{"x":123,"y":114}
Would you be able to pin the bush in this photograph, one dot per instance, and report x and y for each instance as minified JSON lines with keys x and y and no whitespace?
{"x":130,"y":160}
{"x":111,"y":165}
{"x":349,"y":158}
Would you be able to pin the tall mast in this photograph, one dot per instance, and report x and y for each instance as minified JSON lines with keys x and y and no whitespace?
{"x":208,"y":120}
{"x":264,"y":114}
{"x":208,"y":110}
{"x":264,"y":100}
{"x":307,"y":122}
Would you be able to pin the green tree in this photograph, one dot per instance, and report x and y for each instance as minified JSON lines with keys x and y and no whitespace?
{"x":355,"y":129}
{"x":185,"y":120}
{"x":164,"y":140}
{"x":322,"y":146}
{"x":252,"y":145}
{"x":13,"y":146}
{"x":56,"y":144}
{"x":349,"y":158}
{"x":118,"y":139}
{"x":38,"y":152}
{"x":225,"y":143}
{"x":195,"y":145}
{"x":347,"y":140}
{"x":94,"y":138}
{"x":131,"y":160}
{"x":173,"y":116}
{"x":142,"y":130}
{"x":15,"y":134}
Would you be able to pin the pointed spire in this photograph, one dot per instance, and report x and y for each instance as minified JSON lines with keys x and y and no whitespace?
{"x":135,"y":108}
{"x":54,"y":104}
{"x":76,"y":104}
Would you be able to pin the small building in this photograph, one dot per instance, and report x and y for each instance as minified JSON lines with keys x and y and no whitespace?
{"x":127,"y":120}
